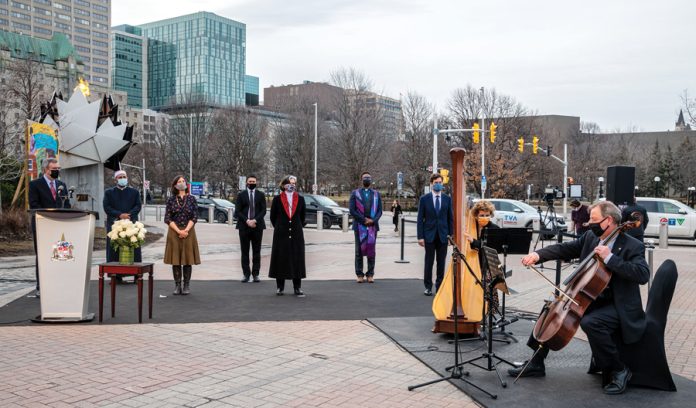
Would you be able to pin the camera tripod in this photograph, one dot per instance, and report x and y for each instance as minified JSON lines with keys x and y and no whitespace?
{"x":489,"y":355}
{"x":456,"y":371}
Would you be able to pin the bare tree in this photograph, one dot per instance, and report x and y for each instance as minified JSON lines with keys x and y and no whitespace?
{"x":359,"y":138}
{"x":238,"y":141}
{"x":293,"y":144}
{"x":415,"y":150}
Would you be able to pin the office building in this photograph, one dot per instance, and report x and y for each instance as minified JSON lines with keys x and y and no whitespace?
{"x":251,"y":90}
{"x":128,"y":62}
{"x":200,"y":55}
{"x":85,"y":23}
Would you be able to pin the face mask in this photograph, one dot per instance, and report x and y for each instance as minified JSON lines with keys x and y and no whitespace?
{"x":596,"y":228}
{"x":181,"y":186}
{"x":251,"y":186}
{"x":290,"y":188}
{"x":437,"y":187}
{"x":483,"y":221}
{"x":55,"y":174}
{"x":367,"y":181}
{"x":122,"y":182}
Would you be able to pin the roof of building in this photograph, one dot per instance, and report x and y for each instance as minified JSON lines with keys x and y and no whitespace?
{"x":58,"y":48}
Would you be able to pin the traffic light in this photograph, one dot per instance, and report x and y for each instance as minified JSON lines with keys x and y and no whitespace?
{"x":535,"y":145}
{"x":520,"y":144}
{"x":477,"y":134}
{"x":570,"y":181}
{"x":493,"y":128}
{"x":445,"y":176}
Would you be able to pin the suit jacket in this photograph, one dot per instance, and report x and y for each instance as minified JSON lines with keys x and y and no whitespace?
{"x":358,"y":218}
{"x":241,"y":209}
{"x":432,"y":223}
{"x":629,"y":270}
{"x":40,"y":195}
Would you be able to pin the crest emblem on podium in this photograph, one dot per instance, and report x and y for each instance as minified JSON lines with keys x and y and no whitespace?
{"x":63,"y":250}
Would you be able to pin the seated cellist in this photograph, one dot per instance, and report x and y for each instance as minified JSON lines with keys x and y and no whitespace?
{"x":617,"y":309}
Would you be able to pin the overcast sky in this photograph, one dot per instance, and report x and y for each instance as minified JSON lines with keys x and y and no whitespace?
{"x":619,"y":63}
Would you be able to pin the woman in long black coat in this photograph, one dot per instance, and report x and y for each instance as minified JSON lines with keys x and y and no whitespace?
{"x":288,"y":251}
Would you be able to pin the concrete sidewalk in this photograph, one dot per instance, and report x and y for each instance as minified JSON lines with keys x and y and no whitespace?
{"x":306,"y":363}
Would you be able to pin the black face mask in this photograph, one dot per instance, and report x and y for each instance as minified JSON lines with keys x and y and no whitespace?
{"x":55,"y":174}
{"x":367,"y":182}
{"x":596,"y":228}
{"x":251,"y":186}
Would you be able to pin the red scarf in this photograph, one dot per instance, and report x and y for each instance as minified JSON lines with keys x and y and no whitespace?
{"x":284,"y":200}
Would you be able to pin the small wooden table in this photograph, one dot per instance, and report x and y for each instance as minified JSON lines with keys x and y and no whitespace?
{"x":113,"y":269}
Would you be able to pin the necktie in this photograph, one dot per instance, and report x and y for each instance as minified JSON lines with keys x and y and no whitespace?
{"x":437,"y":203}
{"x":251,"y":205}
{"x":53,"y":189}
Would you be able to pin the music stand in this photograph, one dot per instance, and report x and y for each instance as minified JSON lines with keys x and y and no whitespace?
{"x":508,"y":241}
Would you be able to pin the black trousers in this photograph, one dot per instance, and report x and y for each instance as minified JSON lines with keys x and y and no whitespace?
{"x":359,"y":259}
{"x":434,"y":251}
{"x":296,"y":283}
{"x":599,"y":322}
{"x":252,"y":236}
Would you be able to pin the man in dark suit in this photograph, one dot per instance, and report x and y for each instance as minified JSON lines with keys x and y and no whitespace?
{"x":46,"y":192}
{"x":250,"y":209}
{"x":617,"y":310}
{"x":435,"y":223}
{"x":366,"y":208}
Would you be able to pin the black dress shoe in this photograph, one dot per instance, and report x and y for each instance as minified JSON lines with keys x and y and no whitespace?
{"x":279,"y":292}
{"x":532,"y":370}
{"x":299,"y":293}
{"x":428,"y":292}
{"x":245,"y":279}
{"x":256,"y":279}
{"x":619,"y":381}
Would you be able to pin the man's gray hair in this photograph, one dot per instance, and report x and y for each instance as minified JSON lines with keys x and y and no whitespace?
{"x":608,"y":209}
{"x":45,"y":162}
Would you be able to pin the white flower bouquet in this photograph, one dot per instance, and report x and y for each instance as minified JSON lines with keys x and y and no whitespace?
{"x":127,"y":234}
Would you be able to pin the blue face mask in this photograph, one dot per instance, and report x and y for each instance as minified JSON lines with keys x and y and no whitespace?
{"x":437,"y":187}
{"x":290,"y":188}
{"x":122,"y":182}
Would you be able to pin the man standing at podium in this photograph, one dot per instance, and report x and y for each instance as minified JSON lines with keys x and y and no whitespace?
{"x":121,"y":202}
{"x":46,"y":192}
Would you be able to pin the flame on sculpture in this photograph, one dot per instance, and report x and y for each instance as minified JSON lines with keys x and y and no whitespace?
{"x":83,"y":86}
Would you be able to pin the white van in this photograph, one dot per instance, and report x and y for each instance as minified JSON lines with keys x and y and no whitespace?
{"x":680,"y":218}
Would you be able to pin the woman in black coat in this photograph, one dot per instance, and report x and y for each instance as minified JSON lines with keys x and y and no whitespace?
{"x":288,"y":251}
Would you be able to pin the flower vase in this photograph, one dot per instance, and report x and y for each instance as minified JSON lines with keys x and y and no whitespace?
{"x":126,"y":255}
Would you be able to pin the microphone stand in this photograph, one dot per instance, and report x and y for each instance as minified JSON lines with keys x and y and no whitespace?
{"x":456,"y":371}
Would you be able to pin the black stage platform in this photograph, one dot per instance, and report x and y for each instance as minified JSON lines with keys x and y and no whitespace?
{"x":233,"y":301}
{"x":566,"y":384}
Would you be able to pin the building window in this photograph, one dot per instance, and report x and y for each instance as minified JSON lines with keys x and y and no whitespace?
{"x":82,"y":21}
{"x":82,"y":12}
{"x":100,"y":8}
{"x":43,"y":30}
{"x":4,"y":22}
{"x":21,"y":26}
{"x":63,"y":17}
{"x":101,"y":61}
{"x":21,"y":6}
{"x":62,"y":6}
{"x":82,"y":3}
{"x":82,"y":49}
{"x":20,"y":16}
{"x":61,"y":26}
{"x":99,"y":79}
{"x":48,"y":2}
{"x":45,"y":12}
{"x":100,"y":17}
{"x":82,"y":30}
{"x":99,"y":34}
{"x":83,"y":40}
{"x":100,"y":25}
{"x":101,"y":53}
{"x":100,"y":43}
{"x":43,"y":21}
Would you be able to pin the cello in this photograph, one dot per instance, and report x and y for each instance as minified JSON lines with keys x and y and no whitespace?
{"x":467,"y":304}
{"x":560,"y":318}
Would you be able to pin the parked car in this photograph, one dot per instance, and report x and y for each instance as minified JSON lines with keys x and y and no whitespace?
{"x":680,"y":218}
{"x":333,"y":213}
{"x":221,"y":206}
{"x":516,"y":214}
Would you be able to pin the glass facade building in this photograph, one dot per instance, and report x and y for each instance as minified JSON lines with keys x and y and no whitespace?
{"x":199,"y":55}
{"x":251,"y":90}
{"x":127,"y":62}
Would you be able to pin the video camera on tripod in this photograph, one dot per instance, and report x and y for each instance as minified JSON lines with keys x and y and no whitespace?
{"x":552,"y":193}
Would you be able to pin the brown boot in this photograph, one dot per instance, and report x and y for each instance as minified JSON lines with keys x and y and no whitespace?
{"x":187,"y":280}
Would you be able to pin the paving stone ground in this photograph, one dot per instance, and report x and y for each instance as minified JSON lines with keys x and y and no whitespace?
{"x":306,"y":363}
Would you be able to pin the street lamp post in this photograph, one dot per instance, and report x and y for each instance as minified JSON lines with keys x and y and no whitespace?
{"x":601,"y":184}
{"x":657,"y":182}
{"x":691,"y":197}
{"x":315,"y":187}
{"x":191,"y":150}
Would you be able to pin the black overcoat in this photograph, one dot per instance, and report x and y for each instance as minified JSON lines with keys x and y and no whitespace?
{"x":288,"y":252}
{"x":119,"y":201}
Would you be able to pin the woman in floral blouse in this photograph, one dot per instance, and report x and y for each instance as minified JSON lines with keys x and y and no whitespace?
{"x":182,"y":245}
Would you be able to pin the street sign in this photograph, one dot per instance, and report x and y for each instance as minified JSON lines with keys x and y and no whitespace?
{"x":399,"y":181}
{"x":242,"y":183}
{"x":197,"y":188}
{"x":483,"y":183}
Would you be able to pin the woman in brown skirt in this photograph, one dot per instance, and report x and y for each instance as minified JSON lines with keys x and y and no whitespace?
{"x":182,"y":246}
